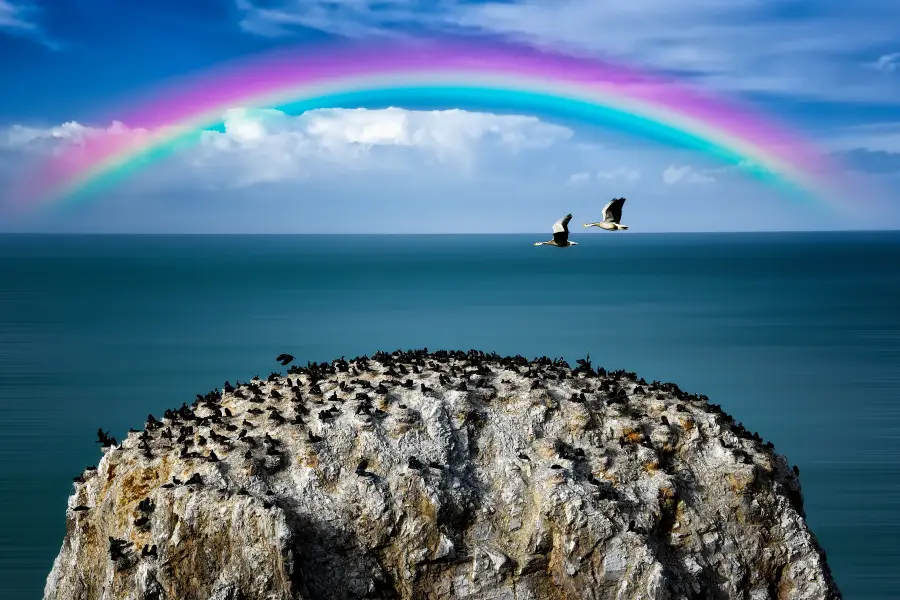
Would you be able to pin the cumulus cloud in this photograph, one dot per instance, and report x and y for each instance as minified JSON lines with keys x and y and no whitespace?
{"x":272,"y":146}
{"x":390,"y":170}
{"x":684,"y":174}
{"x":54,"y":138}
{"x":264,"y":146}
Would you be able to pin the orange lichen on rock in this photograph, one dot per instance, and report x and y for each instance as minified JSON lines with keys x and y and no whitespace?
{"x":632,"y":435}
{"x":139,"y":482}
{"x":739,"y":483}
{"x":667,"y":493}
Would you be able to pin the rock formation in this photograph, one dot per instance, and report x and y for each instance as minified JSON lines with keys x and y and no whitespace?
{"x":421,"y":475}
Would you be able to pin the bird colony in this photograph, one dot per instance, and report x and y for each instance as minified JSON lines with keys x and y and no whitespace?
{"x":449,"y":474}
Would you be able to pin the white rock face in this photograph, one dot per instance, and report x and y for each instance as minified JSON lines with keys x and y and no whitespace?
{"x":500,"y":478}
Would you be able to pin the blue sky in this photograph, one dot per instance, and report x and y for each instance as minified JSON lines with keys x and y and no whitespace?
{"x":830,"y":69}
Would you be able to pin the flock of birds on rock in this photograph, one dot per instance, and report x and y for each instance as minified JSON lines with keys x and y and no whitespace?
{"x":612,"y":214}
{"x":180,"y":429}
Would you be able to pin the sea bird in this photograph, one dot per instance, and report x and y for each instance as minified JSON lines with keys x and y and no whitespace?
{"x":560,"y":234}
{"x":285,"y":359}
{"x":612,"y":214}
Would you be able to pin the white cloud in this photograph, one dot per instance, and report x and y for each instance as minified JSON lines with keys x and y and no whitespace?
{"x":811,"y":56}
{"x":13,"y":17}
{"x":351,"y":18}
{"x":17,"y":19}
{"x":808,"y":56}
{"x":888,"y":62}
{"x":274,"y":146}
{"x":579,"y":179}
{"x":386,"y":170}
{"x":684,"y":174}
{"x":621,"y":173}
{"x":260,"y":146}
{"x":43,"y":138}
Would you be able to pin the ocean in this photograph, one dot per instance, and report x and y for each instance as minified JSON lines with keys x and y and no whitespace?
{"x":795,"y":334}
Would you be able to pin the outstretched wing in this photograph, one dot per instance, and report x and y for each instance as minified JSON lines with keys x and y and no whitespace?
{"x":613,"y":211}
{"x":605,"y":212}
{"x":562,"y":226}
{"x":561,"y":230}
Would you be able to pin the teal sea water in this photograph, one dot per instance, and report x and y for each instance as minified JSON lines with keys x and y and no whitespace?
{"x":796,"y":335}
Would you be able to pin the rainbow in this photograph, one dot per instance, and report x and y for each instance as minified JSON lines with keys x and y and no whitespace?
{"x":443,"y":73}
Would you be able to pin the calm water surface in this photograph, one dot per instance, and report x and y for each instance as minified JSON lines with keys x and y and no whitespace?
{"x":796,"y":335}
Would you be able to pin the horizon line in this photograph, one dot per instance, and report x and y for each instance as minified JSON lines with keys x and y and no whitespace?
{"x":539,"y":233}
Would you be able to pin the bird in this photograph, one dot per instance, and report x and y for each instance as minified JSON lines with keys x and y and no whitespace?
{"x":612,"y":214}
{"x":560,"y":234}
{"x":285,"y":359}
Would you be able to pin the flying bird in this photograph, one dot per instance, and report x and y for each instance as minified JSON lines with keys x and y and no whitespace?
{"x":560,"y":234}
{"x":612,"y":214}
{"x":285,"y":359}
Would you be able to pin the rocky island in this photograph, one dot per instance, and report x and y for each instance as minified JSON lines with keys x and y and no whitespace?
{"x":443,"y":474}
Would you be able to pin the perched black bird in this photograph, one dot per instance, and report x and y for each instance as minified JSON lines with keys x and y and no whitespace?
{"x":116,"y":548}
{"x":414,"y":463}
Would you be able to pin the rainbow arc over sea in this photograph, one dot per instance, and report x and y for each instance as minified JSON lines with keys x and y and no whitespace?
{"x":436,"y":73}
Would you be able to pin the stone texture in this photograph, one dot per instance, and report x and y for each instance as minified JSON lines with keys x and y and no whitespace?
{"x":536,"y":481}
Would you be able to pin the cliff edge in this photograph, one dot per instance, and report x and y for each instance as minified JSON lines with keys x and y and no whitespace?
{"x":440,"y":475}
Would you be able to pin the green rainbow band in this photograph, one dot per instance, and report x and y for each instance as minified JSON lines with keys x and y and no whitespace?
{"x":632,"y":105}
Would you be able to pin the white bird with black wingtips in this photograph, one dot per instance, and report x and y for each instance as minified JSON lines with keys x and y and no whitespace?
{"x":612,"y":214}
{"x":560,"y":234}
